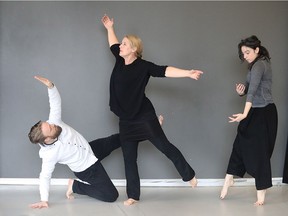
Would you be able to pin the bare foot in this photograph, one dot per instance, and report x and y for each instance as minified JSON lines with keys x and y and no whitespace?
{"x":227,"y":183}
{"x":69,"y":191}
{"x":130,"y":201}
{"x":160,"y":119}
{"x":193,"y":182}
{"x":260,"y":197}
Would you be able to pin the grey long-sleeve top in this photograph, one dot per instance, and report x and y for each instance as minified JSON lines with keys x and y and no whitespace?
{"x":259,"y":84}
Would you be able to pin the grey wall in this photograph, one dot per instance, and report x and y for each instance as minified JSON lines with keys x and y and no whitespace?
{"x":66,"y":42}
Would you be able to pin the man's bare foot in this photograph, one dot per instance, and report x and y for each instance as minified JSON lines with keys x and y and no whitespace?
{"x":227,"y":183}
{"x":193,"y":182}
{"x":260,"y":197}
{"x":69,"y":191}
{"x":160,"y":119}
{"x":130,"y":201}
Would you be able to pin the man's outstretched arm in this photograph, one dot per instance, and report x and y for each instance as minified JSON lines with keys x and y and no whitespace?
{"x":54,"y":99}
{"x":47,"y":168}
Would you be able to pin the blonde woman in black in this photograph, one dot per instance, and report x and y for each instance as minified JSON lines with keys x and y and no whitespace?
{"x":138,"y":121}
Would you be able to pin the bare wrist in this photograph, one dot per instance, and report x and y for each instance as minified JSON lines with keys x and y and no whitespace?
{"x":51,"y":86}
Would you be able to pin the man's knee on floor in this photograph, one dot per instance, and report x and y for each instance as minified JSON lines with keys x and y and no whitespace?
{"x":112,"y":197}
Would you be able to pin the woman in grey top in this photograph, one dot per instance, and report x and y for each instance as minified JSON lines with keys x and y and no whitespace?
{"x":256,"y":133}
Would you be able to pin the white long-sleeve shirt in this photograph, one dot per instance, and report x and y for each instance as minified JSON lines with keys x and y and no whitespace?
{"x":71,"y":148}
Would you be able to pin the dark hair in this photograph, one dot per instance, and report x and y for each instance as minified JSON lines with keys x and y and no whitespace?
{"x":253,"y":42}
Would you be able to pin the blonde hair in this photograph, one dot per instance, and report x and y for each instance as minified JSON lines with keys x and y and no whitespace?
{"x":136,"y":42}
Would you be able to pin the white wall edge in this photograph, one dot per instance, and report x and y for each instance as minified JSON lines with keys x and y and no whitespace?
{"x":145,"y":182}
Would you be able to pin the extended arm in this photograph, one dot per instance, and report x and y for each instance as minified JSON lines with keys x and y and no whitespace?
{"x":44,"y":184}
{"x":174,"y":72}
{"x":109,"y":25}
{"x":48,"y":162}
{"x":54,"y":99}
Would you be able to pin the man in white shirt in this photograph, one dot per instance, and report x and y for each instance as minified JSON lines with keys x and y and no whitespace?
{"x":60,"y":143}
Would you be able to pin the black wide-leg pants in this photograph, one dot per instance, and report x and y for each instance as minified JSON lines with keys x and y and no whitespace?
{"x":254,"y":145}
{"x":134,"y":132}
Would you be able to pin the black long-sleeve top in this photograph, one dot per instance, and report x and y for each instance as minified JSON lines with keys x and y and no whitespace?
{"x":127,"y":86}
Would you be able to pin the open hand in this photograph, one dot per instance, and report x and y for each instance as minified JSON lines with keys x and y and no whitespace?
{"x":107,"y":21}
{"x":39,"y":205}
{"x":237,"y":117}
{"x":45,"y":81}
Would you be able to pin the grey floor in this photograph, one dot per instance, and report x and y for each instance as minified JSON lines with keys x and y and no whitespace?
{"x":158,"y":201}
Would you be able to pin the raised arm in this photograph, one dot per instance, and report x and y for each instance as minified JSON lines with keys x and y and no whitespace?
{"x":54,"y":99}
{"x":174,"y":72}
{"x":109,"y":25}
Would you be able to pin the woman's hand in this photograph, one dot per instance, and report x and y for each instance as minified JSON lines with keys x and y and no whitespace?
{"x":107,"y":21}
{"x":237,"y":117}
{"x":195,"y":74}
{"x":240,"y":89}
